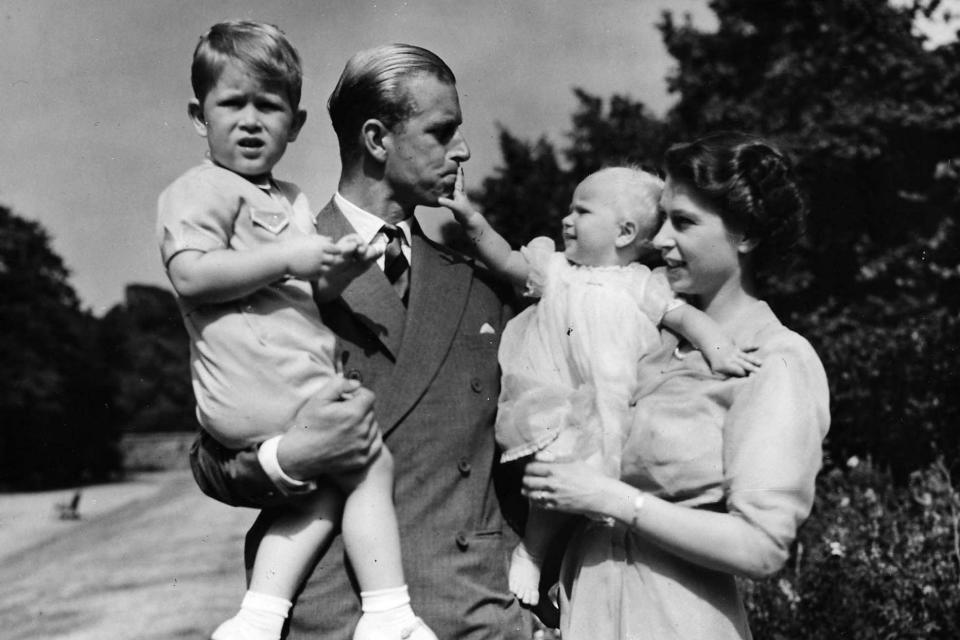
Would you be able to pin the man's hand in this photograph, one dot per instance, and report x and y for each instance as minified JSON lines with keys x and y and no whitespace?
{"x":335,"y":433}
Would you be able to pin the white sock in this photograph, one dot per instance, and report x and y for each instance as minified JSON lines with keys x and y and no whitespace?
{"x":261,"y":617}
{"x":388,"y":608}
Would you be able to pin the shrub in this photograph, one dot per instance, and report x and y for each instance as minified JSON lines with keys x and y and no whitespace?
{"x":875,"y":560}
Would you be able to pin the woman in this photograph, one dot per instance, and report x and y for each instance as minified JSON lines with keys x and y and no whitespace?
{"x":717,"y":473}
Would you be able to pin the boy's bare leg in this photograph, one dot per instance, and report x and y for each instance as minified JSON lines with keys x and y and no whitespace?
{"x":372,"y":541}
{"x":291,"y":546}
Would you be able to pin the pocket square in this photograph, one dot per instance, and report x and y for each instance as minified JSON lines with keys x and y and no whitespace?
{"x":486,"y":328}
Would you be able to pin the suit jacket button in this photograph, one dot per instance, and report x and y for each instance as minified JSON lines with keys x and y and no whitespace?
{"x":463,"y":466}
{"x":476,"y":385}
{"x":354,"y":374}
{"x":462,"y":543}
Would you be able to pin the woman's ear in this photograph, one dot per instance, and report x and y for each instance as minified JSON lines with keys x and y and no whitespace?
{"x":375,"y":139}
{"x":627,"y":234}
{"x":195,"y":111}
{"x":746,"y":244}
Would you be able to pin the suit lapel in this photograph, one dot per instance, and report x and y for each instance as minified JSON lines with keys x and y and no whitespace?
{"x":439,"y":289}
{"x":369,"y":298}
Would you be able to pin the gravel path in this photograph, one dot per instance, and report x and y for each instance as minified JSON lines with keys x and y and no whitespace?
{"x":151,"y":560}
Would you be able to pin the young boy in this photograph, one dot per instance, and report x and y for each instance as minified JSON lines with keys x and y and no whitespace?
{"x":241,"y":251}
{"x":569,"y":362}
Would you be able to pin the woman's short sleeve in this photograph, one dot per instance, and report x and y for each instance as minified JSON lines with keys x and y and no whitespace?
{"x":193,"y":213}
{"x":773,"y":435}
{"x":541,"y":254}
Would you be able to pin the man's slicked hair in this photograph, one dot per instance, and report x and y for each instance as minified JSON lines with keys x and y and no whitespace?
{"x":371,"y":86}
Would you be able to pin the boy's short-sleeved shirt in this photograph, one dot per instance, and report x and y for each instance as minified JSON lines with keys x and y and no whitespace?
{"x":256,"y":360}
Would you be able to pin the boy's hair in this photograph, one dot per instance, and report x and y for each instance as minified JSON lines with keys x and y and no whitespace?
{"x":371,"y":86}
{"x":260,"y":49}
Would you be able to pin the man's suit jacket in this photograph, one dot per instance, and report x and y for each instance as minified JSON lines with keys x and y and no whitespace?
{"x":433,"y":367}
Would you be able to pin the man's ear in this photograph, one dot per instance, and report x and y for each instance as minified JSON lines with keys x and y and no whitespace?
{"x":299,"y":118}
{"x":195,"y":111}
{"x":375,"y":139}
{"x":626,"y":234}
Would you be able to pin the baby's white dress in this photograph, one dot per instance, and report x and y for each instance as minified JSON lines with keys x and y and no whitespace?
{"x":569,"y":361}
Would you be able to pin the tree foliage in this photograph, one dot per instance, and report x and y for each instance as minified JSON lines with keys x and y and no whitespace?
{"x":144,"y":346}
{"x":55,"y":427}
{"x":846,"y":85}
{"x":876,"y":560}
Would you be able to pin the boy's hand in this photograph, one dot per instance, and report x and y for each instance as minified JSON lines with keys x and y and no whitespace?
{"x":460,"y":205}
{"x":355,"y":257}
{"x":310,"y":257}
{"x":731,"y":360}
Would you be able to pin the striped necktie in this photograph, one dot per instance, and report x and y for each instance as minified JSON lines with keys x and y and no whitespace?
{"x":395,"y":265}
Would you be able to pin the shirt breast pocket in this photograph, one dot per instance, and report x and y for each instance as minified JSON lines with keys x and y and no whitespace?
{"x":271,"y":220}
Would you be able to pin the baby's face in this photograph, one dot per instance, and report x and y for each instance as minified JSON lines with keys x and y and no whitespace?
{"x":247,"y":122}
{"x":591,"y":228}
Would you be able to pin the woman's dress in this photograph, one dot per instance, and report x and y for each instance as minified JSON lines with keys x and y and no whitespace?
{"x":569,"y":361}
{"x":750,"y":447}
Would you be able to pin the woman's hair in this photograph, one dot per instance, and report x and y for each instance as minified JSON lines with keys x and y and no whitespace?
{"x":261,"y":50}
{"x":753,"y":187}
{"x":371,"y":86}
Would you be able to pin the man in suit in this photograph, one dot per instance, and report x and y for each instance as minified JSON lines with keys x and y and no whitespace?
{"x":422,"y":333}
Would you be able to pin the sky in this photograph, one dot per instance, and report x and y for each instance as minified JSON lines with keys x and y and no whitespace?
{"x":94,"y":98}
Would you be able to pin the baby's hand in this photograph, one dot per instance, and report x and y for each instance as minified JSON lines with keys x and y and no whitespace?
{"x":459,"y":204}
{"x":310,"y":257}
{"x":731,"y":360}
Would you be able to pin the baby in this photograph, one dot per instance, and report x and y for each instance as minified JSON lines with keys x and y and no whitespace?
{"x":242,"y":253}
{"x":569,"y":362}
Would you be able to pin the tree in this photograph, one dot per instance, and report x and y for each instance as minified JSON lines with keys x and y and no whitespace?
{"x":851,"y":90}
{"x":145,"y":347}
{"x":55,"y":427}
{"x":872,"y":117}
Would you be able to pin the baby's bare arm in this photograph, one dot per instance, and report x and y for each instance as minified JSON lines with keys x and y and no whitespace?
{"x":493,"y":249}
{"x":717,"y":348}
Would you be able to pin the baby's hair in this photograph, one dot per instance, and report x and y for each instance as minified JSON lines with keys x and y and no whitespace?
{"x":640,"y":202}
{"x":260,"y":49}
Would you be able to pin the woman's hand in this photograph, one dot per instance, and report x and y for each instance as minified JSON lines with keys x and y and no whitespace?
{"x":571,"y":486}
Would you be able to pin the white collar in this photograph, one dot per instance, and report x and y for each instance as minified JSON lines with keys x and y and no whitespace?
{"x":365,"y":223}
{"x":263,"y":182}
